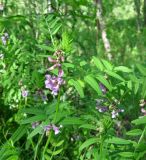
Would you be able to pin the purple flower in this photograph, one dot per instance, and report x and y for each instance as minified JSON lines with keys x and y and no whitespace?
{"x":114,"y":114}
{"x":47,"y":128}
{"x":54,"y":66}
{"x":35,"y":124}
{"x":52,"y":60}
{"x":103,"y":88}
{"x":102,"y":108}
{"x":53,"y":83}
{"x":4,"y":41}
{"x":56,"y":129}
{"x":143,"y":111}
{"x":4,"y":38}
{"x":99,"y":101}
{"x":53,"y":127}
{"x":60,"y":73}
{"x":44,"y":97}
{"x":100,"y":105}
{"x":24,"y":93}
{"x":6,"y":35}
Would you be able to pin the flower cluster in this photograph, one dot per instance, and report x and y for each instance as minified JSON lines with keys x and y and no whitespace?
{"x":24,"y":93}
{"x":35,"y":124}
{"x":54,"y":82}
{"x":52,"y":127}
{"x":4,"y":38}
{"x":142,"y":105}
{"x":103,"y":88}
{"x":102,"y":106}
{"x":115,"y":112}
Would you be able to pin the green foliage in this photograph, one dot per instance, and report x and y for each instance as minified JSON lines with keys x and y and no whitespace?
{"x":61,"y":98}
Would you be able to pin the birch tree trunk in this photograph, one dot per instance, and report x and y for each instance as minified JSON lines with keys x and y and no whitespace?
{"x":101,"y":27}
{"x":144,"y":12}
{"x":137,"y":7}
{"x":49,"y":7}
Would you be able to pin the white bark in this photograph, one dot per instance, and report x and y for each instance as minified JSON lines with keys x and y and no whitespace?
{"x":106,"y":41}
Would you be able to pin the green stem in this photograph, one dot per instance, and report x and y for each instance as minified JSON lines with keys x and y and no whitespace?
{"x":57,"y":108}
{"x":36,"y":149}
{"x":47,"y":143}
{"x":54,"y":121}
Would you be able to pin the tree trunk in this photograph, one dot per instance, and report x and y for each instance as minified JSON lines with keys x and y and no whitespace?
{"x":137,"y":7}
{"x":101,"y":27}
{"x":49,"y":7}
{"x":145,"y":13}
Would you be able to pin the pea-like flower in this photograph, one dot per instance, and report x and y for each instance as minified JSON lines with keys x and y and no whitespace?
{"x":24,"y":93}
{"x":35,"y":124}
{"x":48,"y":128}
{"x":54,"y":82}
{"x":103,"y":88}
{"x":102,"y":108}
{"x":4,"y":38}
{"x":115,"y":113}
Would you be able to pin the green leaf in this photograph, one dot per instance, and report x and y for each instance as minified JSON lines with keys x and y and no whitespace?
{"x":33,"y":110}
{"x":77,"y":86}
{"x":129,"y":85}
{"x":104,"y":82}
{"x":144,"y":88}
{"x":141,"y":69}
{"x":114,"y":75}
{"x":72,"y":121}
{"x":134,"y":132}
{"x":13,"y":157}
{"x":126,"y":154}
{"x":47,"y":157}
{"x":18,"y":133}
{"x":83,"y":63}
{"x":120,"y":141}
{"x":136,"y":87}
{"x":56,"y":29}
{"x":98,"y":63}
{"x":88,"y":126}
{"x":141,"y":120}
{"x":68,"y":65}
{"x":35,"y":132}
{"x":87,"y":143}
{"x":123,"y":69}
{"x":59,"y":143}
{"x":141,"y":155}
{"x":92,"y":82}
{"x":53,"y":22}
{"x":107,"y":64}
{"x":57,"y":152}
{"x":40,"y":117}
{"x":46,"y":48}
